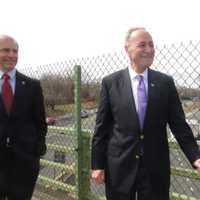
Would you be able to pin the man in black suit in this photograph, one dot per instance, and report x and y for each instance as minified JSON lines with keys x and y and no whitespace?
{"x":130,"y":145}
{"x":22,"y":126}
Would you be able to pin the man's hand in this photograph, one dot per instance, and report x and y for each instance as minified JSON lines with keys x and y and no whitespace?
{"x":98,"y":176}
{"x":197,"y":164}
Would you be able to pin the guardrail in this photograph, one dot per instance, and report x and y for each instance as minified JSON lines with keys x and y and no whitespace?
{"x":85,"y":170}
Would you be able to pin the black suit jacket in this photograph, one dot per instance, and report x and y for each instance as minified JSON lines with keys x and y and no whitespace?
{"x":116,"y":142}
{"x":25,"y":125}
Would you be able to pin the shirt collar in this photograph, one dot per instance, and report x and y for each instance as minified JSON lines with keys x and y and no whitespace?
{"x":133,"y":74}
{"x":11,"y":73}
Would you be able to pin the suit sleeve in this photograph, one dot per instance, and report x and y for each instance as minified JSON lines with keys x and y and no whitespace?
{"x":102,"y":129}
{"x":40,"y":120}
{"x":180,"y":127}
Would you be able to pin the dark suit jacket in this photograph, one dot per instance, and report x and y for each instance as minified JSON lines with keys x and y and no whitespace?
{"x":116,"y":142}
{"x":25,"y":125}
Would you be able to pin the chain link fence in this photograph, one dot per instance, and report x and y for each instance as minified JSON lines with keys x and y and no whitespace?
{"x":58,"y":175}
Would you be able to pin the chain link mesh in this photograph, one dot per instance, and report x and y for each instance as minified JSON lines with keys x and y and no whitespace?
{"x":57,"y":174}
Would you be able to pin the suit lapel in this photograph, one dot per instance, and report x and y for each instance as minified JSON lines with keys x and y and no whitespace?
{"x":19,"y":88}
{"x":2,"y":107}
{"x":151,"y":92}
{"x":128,"y":94}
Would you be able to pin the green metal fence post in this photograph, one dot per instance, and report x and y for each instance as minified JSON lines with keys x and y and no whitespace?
{"x":77,"y":99}
{"x":83,"y":147}
{"x":86,"y":166}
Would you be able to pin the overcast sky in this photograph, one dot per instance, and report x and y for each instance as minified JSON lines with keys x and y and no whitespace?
{"x":55,"y":30}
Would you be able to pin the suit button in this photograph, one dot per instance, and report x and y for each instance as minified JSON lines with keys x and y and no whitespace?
{"x":137,"y":156}
{"x":141,"y":137}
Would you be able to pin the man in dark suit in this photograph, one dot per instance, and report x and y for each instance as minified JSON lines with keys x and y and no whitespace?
{"x":22,"y":126}
{"x":130,"y":145}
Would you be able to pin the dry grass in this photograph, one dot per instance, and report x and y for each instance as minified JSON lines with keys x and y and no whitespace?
{"x":191,"y":106}
{"x":69,"y":108}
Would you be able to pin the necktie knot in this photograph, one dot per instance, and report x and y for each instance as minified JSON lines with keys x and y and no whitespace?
{"x":5,"y":77}
{"x":139,"y":78}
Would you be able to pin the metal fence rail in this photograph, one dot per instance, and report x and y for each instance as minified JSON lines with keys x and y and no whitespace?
{"x":66,"y":188}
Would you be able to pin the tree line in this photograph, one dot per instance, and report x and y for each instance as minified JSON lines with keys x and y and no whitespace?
{"x":59,"y":90}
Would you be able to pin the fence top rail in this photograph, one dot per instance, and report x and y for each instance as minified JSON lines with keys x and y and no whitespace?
{"x":66,"y":130}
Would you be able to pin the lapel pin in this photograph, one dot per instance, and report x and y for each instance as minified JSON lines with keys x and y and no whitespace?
{"x":23,"y":82}
{"x":152,"y":84}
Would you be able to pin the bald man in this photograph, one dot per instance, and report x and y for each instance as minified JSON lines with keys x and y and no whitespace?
{"x":130,"y":147}
{"x":22,"y":126}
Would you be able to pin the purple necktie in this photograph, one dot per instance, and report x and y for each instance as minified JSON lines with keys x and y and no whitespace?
{"x":142,"y":100}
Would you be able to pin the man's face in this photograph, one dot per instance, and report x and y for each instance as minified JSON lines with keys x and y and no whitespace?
{"x":140,"y":49}
{"x":8,"y":54}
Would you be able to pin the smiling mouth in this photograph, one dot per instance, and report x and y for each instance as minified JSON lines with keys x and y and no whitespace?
{"x":13,"y":61}
{"x":10,"y":64}
{"x":148,"y":57}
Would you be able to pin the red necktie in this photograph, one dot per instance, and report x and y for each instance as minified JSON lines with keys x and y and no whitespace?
{"x":7,"y":94}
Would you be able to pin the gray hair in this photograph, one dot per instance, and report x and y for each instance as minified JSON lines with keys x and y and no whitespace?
{"x":130,"y":31}
{"x":4,"y":36}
